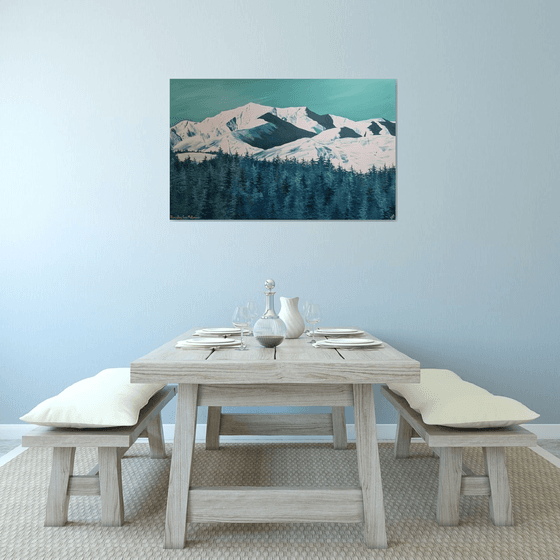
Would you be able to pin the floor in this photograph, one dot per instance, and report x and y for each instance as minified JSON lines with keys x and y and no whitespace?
{"x":7,"y":445}
{"x":551,"y":445}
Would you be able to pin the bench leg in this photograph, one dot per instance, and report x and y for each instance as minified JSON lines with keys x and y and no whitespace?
{"x":339,"y":427}
{"x":57,"y":497}
{"x":155,"y":438}
{"x":500,"y":497}
{"x":402,"y":440}
{"x":449,"y":489}
{"x":213,"y":427}
{"x":110,"y":482}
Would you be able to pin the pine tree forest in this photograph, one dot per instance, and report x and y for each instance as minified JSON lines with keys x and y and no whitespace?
{"x":237,"y":187}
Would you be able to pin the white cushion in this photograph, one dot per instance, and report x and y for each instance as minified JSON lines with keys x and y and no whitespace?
{"x":444,"y":399}
{"x":105,"y":400}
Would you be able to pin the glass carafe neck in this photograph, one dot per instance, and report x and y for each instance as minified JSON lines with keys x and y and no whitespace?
{"x":269,"y":311}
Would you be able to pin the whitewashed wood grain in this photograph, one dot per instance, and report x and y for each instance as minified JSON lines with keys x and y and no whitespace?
{"x":294,"y":361}
{"x":95,"y":470}
{"x":110,"y":484}
{"x":255,"y":353}
{"x":212,"y":425}
{"x":276,"y":424}
{"x":273,"y":372}
{"x":84,"y":485}
{"x":449,"y":486}
{"x":181,"y":463}
{"x":500,"y":497}
{"x":275,"y":395}
{"x":403,"y":437}
{"x":275,"y":505}
{"x":368,"y":467}
{"x":155,"y":437}
{"x":475,"y":486}
{"x":57,"y":496}
{"x":299,"y":349}
{"x":339,"y":427}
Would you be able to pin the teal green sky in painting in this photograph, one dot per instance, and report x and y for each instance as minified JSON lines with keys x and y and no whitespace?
{"x":354,"y":99}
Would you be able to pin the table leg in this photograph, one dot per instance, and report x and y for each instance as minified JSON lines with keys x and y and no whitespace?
{"x":368,"y":467}
{"x":181,"y":461}
{"x":339,"y":427}
{"x":213,"y":427}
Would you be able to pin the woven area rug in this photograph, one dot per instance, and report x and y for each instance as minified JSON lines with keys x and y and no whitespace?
{"x":410,"y":489}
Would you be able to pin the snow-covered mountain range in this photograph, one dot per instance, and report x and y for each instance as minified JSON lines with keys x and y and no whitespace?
{"x":266,"y":132}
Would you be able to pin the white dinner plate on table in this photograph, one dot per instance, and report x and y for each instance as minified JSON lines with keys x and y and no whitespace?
{"x":221,"y":331}
{"x":214,"y":347}
{"x":348,"y":343}
{"x":212,"y":341}
{"x":207,"y":342}
{"x":337,"y":332}
{"x":348,"y":340}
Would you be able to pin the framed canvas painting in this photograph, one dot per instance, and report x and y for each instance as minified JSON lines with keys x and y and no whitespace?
{"x":282,"y":149}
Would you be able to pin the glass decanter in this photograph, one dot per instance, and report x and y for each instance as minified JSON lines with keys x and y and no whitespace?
{"x":269,"y":330}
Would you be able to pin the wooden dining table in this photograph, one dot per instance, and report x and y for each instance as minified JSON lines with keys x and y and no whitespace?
{"x":295,"y":373}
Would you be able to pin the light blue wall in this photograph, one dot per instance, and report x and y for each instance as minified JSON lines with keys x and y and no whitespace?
{"x":95,"y":275}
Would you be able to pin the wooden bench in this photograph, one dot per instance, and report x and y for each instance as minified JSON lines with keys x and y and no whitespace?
{"x":455,"y":478}
{"x":104,"y":479}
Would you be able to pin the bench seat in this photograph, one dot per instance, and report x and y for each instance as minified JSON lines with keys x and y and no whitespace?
{"x":455,"y":478}
{"x":104,"y":479}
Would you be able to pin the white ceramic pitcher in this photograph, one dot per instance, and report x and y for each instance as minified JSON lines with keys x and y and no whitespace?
{"x":290,"y":314}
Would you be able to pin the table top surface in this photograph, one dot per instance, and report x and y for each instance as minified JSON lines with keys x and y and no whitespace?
{"x":293,"y":361}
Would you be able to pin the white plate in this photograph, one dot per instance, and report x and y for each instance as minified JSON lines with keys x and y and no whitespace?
{"x":345,"y":344}
{"x":337,"y":331}
{"x":212,"y":341}
{"x":346,"y":347}
{"x":216,"y":335}
{"x":348,"y":340}
{"x":209,"y":342}
{"x":206,"y":347}
{"x":220,"y":330}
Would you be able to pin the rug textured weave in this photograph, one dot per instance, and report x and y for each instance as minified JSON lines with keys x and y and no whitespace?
{"x":409,"y":485}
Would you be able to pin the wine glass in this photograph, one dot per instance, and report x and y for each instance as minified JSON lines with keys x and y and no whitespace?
{"x":304,"y":313}
{"x":313,"y":315}
{"x":241,"y":319}
{"x":253,"y":312}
